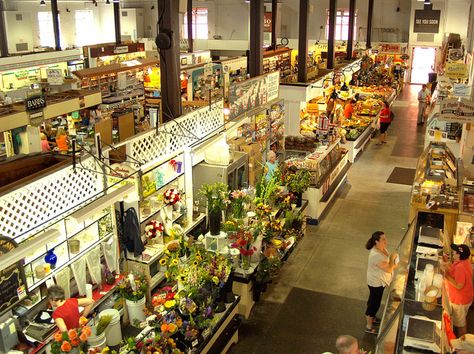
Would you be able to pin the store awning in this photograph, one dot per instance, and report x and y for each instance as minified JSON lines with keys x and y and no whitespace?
{"x":115,"y":68}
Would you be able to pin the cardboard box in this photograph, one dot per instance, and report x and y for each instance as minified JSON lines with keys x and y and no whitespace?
{"x":235,"y":143}
{"x":255,"y":174}
{"x":252,"y":149}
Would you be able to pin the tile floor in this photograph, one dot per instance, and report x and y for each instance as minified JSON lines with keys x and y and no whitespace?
{"x":321,"y":291}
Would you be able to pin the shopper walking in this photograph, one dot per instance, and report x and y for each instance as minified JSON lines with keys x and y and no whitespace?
{"x":379,"y":275}
{"x":458,"y":279}
{"x":385,"y":120}
{"x":422,"y":94}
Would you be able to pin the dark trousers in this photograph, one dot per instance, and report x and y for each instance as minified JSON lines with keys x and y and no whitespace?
{"x":375,"y":298}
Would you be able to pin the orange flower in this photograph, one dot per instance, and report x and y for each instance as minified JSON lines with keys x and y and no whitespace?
{"x":58,"y":337}
{"x":87,"y":331}
{"x":164,"y":327}
{"x":172,"y":327}
{"x":83,"y":321}
{"x":72,"y":333}
{"x":66,"y":346}
{"x":83,"y":337}
{"x":75,"y":342}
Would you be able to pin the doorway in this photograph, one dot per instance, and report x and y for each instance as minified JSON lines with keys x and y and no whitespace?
{"x":422,"y":64}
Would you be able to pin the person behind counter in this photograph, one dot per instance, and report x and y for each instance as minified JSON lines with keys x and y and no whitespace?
{"x":66,"y":311}
{"x":62,"y":140}
{"x":349,"y":109}
{"x":458,"y":278}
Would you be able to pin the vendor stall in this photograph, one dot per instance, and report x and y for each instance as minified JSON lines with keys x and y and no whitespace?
{"x":110,"y":53}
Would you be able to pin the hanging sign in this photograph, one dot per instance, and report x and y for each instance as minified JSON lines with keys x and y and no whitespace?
{"x":247,"y":95}
{"x":454,"y":110}
{"x":455,"y":70}
{"x":35,"y":102}
{"x":426,"y":21}
{"x":455,"y":54}
{"x":267,"y":22}
{"x":12,"y":279}
{"x":390,"y":48}
{"x":121,"y":49}
{"x":55,"y":76}
{"x":461,"y":90}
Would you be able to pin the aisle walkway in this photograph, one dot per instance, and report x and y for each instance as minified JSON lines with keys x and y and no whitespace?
{"x":321,"y":291}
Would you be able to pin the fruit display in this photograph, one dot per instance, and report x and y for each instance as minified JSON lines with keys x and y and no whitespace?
{"x":368,"y":107}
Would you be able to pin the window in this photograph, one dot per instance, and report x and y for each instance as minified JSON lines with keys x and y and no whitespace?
{"x":342,"y":25}
{"x":200,"y":29}
{"x":85,"y":29}
{"x":46,"y":31}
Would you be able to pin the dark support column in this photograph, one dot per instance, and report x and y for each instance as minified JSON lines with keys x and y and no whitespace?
{"x":274,"y":23}
{"x":370,"y":14}
{"x":55,"y":14}
{"x":331,"y":34}
{"x":118,"y":36}
{"x":3,"y":32}
{"x":190,"y":26}
{"x":350,"y":37}
{"x":303,"y":41}
{"x":256,"y":38}
{"x":168,"y":11}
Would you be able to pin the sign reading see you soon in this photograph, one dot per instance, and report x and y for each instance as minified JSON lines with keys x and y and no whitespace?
{"x":427,"y":20}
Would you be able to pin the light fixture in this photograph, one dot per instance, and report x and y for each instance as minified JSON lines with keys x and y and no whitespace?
{"x":103,"y":202}
{"x":226,"y":111}
{"x":107,"y":2}
{"x":27,"y":247}
{"x":42,"y":3}
{"x":427,"y":2}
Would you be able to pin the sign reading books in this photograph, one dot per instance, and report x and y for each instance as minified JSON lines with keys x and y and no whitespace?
{"x":12,"y":279}
{"x":247,"y":95}
{"x":454,"y":110}
{"x":427,"y":20}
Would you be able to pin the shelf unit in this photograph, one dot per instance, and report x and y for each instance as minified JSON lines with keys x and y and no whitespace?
{"x":89,"y":233}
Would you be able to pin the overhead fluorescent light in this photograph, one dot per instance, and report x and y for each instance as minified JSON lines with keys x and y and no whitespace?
{"x":103,"y":202}
{"x":25,"y":248}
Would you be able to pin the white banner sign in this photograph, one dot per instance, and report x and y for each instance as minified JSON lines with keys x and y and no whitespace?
{"x":461,"y":90}
{"x":453,"y":110}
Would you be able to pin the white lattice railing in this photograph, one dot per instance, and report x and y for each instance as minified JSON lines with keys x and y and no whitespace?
{"x":29,"y":209}
{"x":173,"y":136}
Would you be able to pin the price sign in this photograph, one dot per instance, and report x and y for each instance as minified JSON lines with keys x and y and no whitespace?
{"x":55,"y":76}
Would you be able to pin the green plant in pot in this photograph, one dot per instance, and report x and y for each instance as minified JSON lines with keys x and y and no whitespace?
{"x":298,"y":182}
{"x":216,"y":195}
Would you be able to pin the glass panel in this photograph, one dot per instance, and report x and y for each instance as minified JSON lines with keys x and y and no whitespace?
{"x":85,"y":29}
{"x":46,"y":32}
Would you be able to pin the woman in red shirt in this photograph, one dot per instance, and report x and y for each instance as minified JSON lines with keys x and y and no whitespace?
{"x":384,"y":123}
{"x":458,"y":280}
{"x":66,"y":311}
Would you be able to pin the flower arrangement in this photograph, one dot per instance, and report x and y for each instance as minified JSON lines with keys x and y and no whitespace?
{"x":153,"y":230}
{"x":216,"y":195}
{"x":298,"y":181}
{"x":171,"y":196}
{"x":242,"y":240}
{"x":219,"y":269}
{"x":133,"y":286}
{"x":263,"y":210}
{"x":239,"y":201}
{"x":161,"y":344}
{"x":74,"y":338}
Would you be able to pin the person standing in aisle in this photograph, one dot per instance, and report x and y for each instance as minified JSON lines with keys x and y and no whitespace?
{"x":331,"y":106}
{"x":458,"y":279}
{"x":385,"y":121}
{"x":271,"y":165}
{"x":421,"y":104}
{"x":66,"y":311}
{"x":379,"y":275}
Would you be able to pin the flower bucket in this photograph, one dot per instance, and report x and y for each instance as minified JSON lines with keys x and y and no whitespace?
{"x":215,"y":218}
{"x":113,"y":332}
{"x":97,"y":341}
{"x":135,"y":310}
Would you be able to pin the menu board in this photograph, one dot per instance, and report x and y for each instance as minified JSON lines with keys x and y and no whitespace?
{"x":12,"y":278}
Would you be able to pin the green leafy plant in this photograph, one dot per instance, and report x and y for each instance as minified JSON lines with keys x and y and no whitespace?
{"x":266,"y":191}
{"x":104,"y":321}
{"x":216,"y":195}
{"x":299,"y":181}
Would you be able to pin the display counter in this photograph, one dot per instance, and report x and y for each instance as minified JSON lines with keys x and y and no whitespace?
{"x":107,"y":53}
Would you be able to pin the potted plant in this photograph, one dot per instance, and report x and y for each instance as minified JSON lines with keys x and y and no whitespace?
{"x":239,"y":199}
{"x":297,"y":183}
{"x":216,"y":195}
{"x":133,"y":288}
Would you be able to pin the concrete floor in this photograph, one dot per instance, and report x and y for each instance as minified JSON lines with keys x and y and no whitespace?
{"x":321,"y":291}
